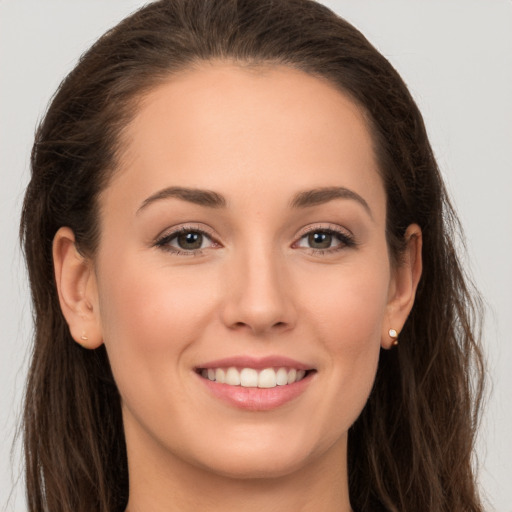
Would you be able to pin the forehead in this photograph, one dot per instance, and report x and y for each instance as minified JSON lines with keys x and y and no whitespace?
{"x":220,"y":125}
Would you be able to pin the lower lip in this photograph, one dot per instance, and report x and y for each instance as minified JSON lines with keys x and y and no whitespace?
{"x":257,"y":399}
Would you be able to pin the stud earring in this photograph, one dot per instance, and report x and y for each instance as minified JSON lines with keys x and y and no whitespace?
{"x":84,"y":337}
{"x":394,"y":336}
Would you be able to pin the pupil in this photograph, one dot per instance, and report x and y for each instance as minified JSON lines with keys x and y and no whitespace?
{"x":190,"y":240}
{"x":320,"y":240}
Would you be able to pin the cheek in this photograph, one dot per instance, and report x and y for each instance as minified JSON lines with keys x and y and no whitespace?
{"x":149,"y":318}
{"x":348,"y":316}
{"x":349,"y":306}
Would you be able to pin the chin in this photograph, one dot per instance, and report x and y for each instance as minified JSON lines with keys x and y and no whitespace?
{"x":258,"y":467}
{"x":277,"y":457}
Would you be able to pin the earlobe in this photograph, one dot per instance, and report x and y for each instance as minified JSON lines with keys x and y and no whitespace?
{"x":76,"y":286}
{"x":403,"y":286}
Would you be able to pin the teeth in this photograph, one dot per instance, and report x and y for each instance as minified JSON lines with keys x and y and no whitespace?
{"x":281,"y":377}
{"x":251,"y":378}
{"x":220,"y":375}
{"x":267,"y":378}
{"x":233,"y":377}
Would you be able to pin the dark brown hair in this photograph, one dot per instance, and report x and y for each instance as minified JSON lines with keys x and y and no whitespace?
{"x":411,"y":448}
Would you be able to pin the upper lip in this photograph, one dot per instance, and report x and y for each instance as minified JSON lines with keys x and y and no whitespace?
{"x":258,"y":363}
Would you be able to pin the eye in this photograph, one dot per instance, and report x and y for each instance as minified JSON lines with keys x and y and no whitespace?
{"x":323,"y":239}
{"x":186,"y":241}
{"x":189,"y":240}
{"x":320,"y":240}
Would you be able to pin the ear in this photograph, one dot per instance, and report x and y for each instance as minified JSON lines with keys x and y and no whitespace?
{"x":76,"y":286}
{"x":404,"y":283}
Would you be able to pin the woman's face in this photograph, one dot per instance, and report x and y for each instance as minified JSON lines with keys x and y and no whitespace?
{"x":243,"y":238}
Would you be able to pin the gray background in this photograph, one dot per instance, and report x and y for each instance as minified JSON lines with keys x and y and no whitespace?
{"x":456,"y":57}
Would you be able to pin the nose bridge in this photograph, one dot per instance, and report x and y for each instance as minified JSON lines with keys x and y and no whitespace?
{"x":257,"y":292}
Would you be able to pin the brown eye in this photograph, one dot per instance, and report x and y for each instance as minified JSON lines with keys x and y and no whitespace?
{"x":325,"y":241}
{"x":186,"y":241}
{"x":320,"y":240}
{"x":189,"y":240}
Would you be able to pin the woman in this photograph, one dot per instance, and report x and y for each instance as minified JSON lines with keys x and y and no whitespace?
{"x":234,"y":207}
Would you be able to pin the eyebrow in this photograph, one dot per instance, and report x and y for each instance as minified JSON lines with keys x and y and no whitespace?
{"x":206,"y":198}
{"x":210,"y":199}
{"x":323,"y":195}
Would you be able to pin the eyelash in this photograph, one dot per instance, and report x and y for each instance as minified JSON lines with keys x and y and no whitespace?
{"x":164,"y":241}
{"x":345,"y":240}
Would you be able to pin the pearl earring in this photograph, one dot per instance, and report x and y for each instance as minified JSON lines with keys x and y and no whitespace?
{"x":394,"y":336}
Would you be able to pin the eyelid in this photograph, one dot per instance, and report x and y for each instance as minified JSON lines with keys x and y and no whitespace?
{"x":344,"y":235}
{"x":162,"y":240}
{"x":334,"y":228}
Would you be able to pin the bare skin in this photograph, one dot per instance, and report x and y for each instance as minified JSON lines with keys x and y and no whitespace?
{"x":246,"y":225}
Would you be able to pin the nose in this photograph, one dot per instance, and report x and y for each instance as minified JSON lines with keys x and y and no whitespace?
{"x":258,"y":294}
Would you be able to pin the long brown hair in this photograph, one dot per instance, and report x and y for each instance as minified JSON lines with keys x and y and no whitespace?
{"x":411,"y":448}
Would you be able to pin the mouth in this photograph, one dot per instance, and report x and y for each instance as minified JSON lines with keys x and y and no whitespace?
{"x":256,"y":384}
{"x":247,"y":377}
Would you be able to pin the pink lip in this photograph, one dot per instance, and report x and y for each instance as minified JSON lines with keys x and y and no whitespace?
{"x":256,"y":399}
{"x":258,"y":363}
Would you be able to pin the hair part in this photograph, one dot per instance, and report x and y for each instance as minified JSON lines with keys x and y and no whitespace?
{"x":411,"y":448}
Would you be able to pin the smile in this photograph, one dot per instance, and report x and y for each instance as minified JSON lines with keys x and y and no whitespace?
{"x":253,"y":378}
{"x":256,"y":383}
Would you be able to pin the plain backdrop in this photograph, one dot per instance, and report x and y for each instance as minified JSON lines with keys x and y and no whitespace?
{"x":456,"y":57}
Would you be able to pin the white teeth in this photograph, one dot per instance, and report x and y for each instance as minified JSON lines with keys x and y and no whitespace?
{"x":267,"y":378}
{"x":281,"y":377}
{"x":220,"y":375}
{"x":251,"y":378}
{"x":292,"y":374}
{"x":233,"y":377}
